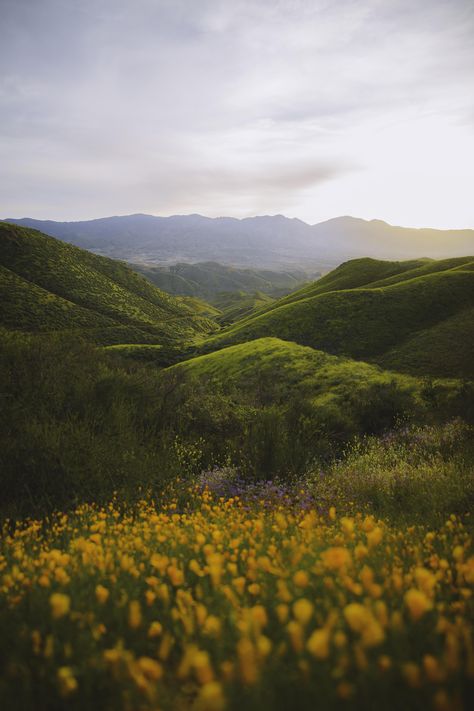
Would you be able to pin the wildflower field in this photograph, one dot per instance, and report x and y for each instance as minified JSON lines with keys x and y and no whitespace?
{"x":217,"y":604}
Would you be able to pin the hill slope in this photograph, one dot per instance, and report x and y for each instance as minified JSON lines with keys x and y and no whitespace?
{"x":206,"y":279}
{"x":370,"y":322}
{"x":312,"y":391}
{"x":288,"y":368}
{"x":49,"y":285}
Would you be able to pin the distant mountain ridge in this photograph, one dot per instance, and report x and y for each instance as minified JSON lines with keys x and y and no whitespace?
{"x":262,"y":241}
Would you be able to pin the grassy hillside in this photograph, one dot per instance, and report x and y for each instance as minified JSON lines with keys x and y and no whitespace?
{"x":367,"y":322}
{"x":371,"y":273}
{"x":48,"y":285}
{"x":290,"y":369}
{"x":354,"y":274}
{"x":299,"y":404}
{"x":201,"y":307}
{"x":235,"y":305}
{"x":446,"y":348}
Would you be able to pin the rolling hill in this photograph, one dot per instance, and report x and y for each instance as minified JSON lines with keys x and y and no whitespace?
{"x":288,"y":368}
{"x":208,"y":279}
{"x":350,"y":313}
{"x":265,"y":241}
{"x":235,"y":305}
{"x":48,"y":285}
{"x":310,"y":390}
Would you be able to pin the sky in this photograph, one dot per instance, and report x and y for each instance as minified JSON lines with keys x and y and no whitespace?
{"x":309,"y":108}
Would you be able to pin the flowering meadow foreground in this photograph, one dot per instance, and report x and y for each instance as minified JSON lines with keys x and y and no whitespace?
{"x":223,"y":605}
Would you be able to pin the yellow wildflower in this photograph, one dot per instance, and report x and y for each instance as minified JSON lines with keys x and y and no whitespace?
{"x":67,"y":682}
{"x":60,"y":605}
{"x":301,"y":579}
{"x":417,"y":602}
{"x":211,"y":697}
{"x":134,"y":615}
{"x":155,"y":629}
{"x":150,"y":668}
{"x":303,"y":610}
{"x":101,"y":594}
{"x":318,"y":643}
{"x":336,"y":558}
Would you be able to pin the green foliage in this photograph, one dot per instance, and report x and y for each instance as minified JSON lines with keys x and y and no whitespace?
{"x":80,"y":422}
{"x":293,"y":404}
{"x":416,"y":473}
{"x":73,"y":427}
{"x":238,"y":304}
{"x":445,"y":349}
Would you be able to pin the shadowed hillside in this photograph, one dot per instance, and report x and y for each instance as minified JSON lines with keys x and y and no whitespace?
{"x":48,"y":285}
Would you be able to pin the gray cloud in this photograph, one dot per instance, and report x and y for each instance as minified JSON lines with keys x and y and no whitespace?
{"x":219,"y":106}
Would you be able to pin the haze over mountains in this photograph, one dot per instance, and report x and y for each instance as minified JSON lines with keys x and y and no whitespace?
{"x":264,"y":241}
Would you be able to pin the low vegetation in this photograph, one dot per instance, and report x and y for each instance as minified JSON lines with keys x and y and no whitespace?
{"x":78,"y":423}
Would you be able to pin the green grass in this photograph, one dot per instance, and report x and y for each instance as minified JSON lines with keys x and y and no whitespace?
{"x":337,"y":395}
{"x":421,"y":474}
{"x":445,"y":349}
{"x":367,"y":323}
{"x":235,"y":305}
{"x":355,"y":274}
{"x":156,"y":355}
{"x":48,"y":285}
{"x":290,"y":369}
{"x":201,"y":307}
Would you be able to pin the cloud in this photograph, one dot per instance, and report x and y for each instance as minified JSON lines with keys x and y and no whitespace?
{"x":172,"y":105}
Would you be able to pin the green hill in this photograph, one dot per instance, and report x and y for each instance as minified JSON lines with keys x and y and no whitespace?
{"x":235,"y":305}
{"x":445,"y":349}
{"x":370,"y":322}
{"x":370,"y":273}
{"x":207,"y":279}
{"x":48,"y":285}
{"x":310,"y":397}
{"x":289,"y":369}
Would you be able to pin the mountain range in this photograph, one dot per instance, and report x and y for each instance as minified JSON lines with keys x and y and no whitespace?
{"x":264,"y":241}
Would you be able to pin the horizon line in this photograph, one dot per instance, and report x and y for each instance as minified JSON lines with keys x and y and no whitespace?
{"x":240,"y":219}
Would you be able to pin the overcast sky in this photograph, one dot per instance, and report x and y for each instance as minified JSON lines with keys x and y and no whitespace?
{"x":310,"y":108}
